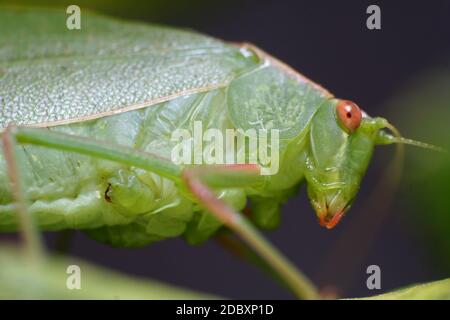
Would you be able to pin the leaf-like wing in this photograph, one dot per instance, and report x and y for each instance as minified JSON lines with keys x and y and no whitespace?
{"x":50,"y":74}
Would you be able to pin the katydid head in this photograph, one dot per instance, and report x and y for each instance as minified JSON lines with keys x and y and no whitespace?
{"x":340,"y":146}
{"x":341,"y":142}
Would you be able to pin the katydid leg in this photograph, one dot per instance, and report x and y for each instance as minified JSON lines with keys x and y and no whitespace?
{"x":231,"y":243}
{"x":31,"y":237}
{"x":299,"y":284}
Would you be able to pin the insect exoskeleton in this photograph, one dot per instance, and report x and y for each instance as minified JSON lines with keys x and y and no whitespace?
{"x":140,"y":88}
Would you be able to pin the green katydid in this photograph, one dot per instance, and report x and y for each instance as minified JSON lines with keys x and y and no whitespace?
{"x":106,"y":100}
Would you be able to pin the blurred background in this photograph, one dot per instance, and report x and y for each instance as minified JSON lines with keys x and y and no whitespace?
{"x":401,"y":72}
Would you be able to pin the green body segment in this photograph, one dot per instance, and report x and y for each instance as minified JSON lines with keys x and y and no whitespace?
{"x":135,"y":92}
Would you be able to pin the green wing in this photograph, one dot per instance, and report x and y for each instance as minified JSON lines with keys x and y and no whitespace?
{"x":50,"y":74}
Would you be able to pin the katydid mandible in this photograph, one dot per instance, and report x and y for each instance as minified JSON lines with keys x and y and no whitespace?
{"x":94,"y":113}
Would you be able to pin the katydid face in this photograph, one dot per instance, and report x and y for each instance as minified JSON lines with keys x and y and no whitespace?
{"x":339,"y":149}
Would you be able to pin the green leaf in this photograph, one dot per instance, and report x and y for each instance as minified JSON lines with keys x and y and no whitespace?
{"x":21,"y":279}
{"x":437,"y":290}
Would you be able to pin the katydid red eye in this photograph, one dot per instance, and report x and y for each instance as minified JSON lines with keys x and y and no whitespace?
{"x":349,"y":114}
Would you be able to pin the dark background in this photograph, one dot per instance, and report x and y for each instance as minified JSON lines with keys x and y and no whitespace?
{"x":328,"y":42}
